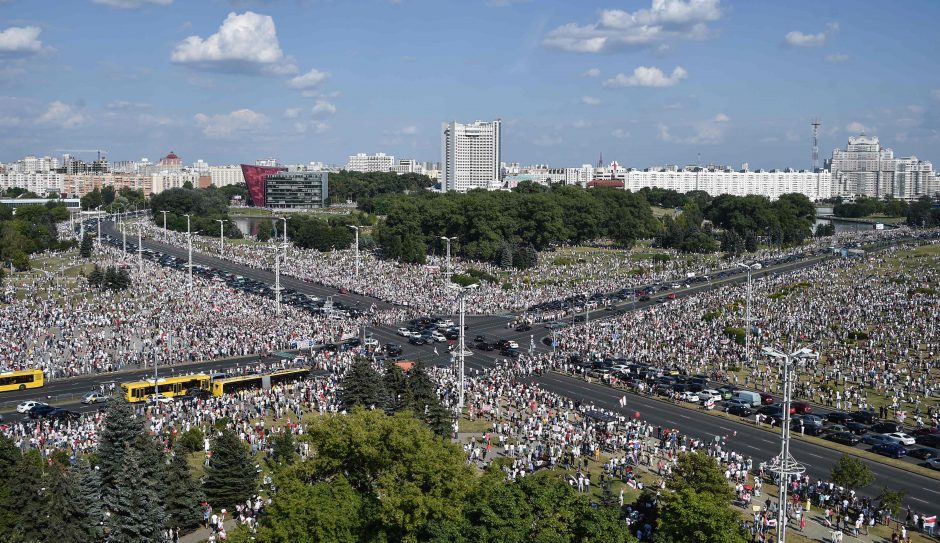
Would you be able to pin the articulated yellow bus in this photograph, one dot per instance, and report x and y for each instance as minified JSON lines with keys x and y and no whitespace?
{"x":228,"y":385}
{"x":139,"y":391}
{"x":20,"y":380}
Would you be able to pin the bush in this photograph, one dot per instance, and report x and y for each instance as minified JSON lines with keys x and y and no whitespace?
{"x":482,"y":275}
{"x":858,"y":336}
{"x":711,"y":315}
{"x":735,"y":333}
{"x":463,"y":280}
{"x":192,"y":440}
{"x":563,"y":261}
{"x":507,"y":286}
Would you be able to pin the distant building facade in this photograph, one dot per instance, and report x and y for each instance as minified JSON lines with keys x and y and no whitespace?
{"x":865,"y":168}
{"x":361,"y":162}
{"x":471,"y":155}
{"x":297,"y":190}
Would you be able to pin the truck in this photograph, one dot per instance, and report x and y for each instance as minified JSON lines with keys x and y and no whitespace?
{"x":748,"y":396}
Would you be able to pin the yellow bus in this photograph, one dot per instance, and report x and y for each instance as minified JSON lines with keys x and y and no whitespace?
{"x":139,"y":391}
{"x":20,"y":380}
{"x":229,"y":385}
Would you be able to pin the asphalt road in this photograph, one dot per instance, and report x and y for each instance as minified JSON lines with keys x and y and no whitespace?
{"x":761,"y":445}
{"x":923,"y":492}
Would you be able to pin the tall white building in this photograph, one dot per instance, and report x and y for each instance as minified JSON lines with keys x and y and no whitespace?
{"x":470,"y":156}
{"x":865,"y":168}
{"x":361,"y":162}
{"x":223,"y":176}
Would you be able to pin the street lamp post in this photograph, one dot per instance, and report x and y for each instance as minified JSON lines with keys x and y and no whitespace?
{"x":124,"y":238}
{"x":462,"y":353}
{"x":140,"y":248}
{"x":221,"y":235}
{"x":164,"y":225}
{"x":189,"y":246}
{"x":785,"y":464}
{"x":747,"y":311}
{"x":450,"y":270}
{"x":277,"y":281}
{"x":356,"y":228}
{"x":98,"y":239}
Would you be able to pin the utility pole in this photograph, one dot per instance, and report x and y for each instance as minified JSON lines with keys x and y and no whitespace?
{"x":124,"y":238}
{"x":747,"y":311}
{"x":356,"y":228}
{"x":221,"y":235}
{"x":98,"y":239}
{"x":277,"y":281}
{"x":450,"y":271}
{"x":785,"y":465}
{"x":462,"y":353}
{"x":189,"y":245}
{"x":164,"y":225}
{"x":140,"y":249}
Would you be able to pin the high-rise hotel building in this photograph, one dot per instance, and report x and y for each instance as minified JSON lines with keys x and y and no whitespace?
{"x":470,"y":156}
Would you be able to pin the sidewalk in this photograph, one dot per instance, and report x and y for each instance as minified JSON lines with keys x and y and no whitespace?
{"x":202,"y":534}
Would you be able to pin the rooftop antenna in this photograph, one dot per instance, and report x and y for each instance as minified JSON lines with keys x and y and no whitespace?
{"x":600,"y":160}
{"x":816,"y":124}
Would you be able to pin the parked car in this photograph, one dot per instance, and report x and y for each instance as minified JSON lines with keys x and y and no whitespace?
{"x":25,"y":407}
{"x":837,"y":428}
{"x":749,"y":396}
{"x":878,"y":439}
{"x":523,"y":328}
{"x":95,"y":397}
{"x":740,"y":410}
{"x":893,"y":450}
{"x":845,"y":438}
{"x":737,"y":402}
{"x":857,"y":428}
{"x":929,"y":440}
{"x":484,"y":346}
{"x":416,"y":340}
{"x":40,"y":410}
{"x":709,"y":393}
{"x":63,"y":414}
{"x":801,"y":408}
{"x":934,"y":463}
{"x":404,"y":332}
{"x":925,"y":453}
{"x":158,"y":398}
{"x":766,"y":399}
{"x":885,"y":427}
{"x":839,"y":417}
{"x":689,"y":396}
{"x":902,"y":438}
{"x":865,"y":417}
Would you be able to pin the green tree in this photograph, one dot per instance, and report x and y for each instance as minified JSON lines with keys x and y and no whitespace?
{"x":701,"y":473}
{"x":183,"y":495}
{"x":230,"y":477}
{"x":362,"y":385}
{"x":396,"y":386}
{"x":137,"y":515}
{"x":892,"y":500}
{"x":96,"y":277}
{"x":851,"y":473}
{"x":121,"y":430}
{"x":64,"y":515}
{"x":309,"y":513}
{"x":282,"y":445}
{"x":688,"y":515}
{"x":9,"y":461}
{"x":497,"y":511}
{"x":405,"y":475}
{"x":27,"y":498}
{"x":265,"y":231}
{"x":85,"y":249}
{"x":89,"y":497}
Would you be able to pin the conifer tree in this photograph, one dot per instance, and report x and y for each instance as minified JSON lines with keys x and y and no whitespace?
{"x":183,"y":493}
{"x":9,"y":460}
{"x":122,"y":429}
{"x":89,"y":492}
{"x":63,"y":514}
{"x":25,"y":495}
{"x":230,"y":477}
{"x":85,"y":249}
{"x":137,"y":516}
{"x":363,"y":386}
{"x":396,"y":386}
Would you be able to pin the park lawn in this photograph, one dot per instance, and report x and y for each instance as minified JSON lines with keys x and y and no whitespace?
{"x":662,"y":211}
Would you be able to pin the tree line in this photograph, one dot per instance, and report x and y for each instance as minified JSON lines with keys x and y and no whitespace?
{"x":204,"y":205}
{"x":31,"y":230}
{"x":361,"y":186}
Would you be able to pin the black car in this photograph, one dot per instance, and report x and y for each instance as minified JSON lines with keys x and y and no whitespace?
{"x":845,"y":438}
{"x":40,"y":411}
{"x":479,"y":338}
{"x":510,"y":352}
{"x":351,"y":342}
{"x":501,"y":343}
{"x":484,"y":346}
{"x":393,"y":349}
{"x":63,"y":414}
{"x":417,"y":340}
{"x":740,"y":410}
{"x":928,"y":440}
{"x":865,"y":417}
{"x":840,"y":417}
{"x":886,"y":427}
{"x":523,"y":328}
{"x":924,"y":453}
{"x":857,"y":428}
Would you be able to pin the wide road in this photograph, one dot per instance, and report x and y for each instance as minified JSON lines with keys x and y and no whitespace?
{"x":761,"y":445}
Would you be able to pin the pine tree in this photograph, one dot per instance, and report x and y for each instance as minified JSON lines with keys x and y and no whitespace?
{"x":96,"y":277}
{"x":26,"y":486}
{"x":121,"y":430}
{"x":89,"y":493}
{"x":283,"y":446}
{"x":396,"y":386}
{"x":137,"y":516}
{"x":183,"y":493}
{"x":9,"y":460}
{"x":363,"y":386}
{"x":85,"y":249}
{"x":63,"y":515}
{"x":505,"y":255}
{"x":230,"y":477}
{"x":122,"y":280}
{"x":421,"y":390}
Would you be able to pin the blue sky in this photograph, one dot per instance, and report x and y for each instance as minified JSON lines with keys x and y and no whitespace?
{"x":645,"y":82}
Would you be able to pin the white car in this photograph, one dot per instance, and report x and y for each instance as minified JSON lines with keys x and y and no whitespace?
{"x":24,"y":407}
{"x":437,"y":336}
{"x":513,"y":344}
{"x":94,"y":397}
{"x":621,"y":368}
{"x":710,"y":393}
{"x":159,"y":398}
{"x":404,"y":332}
{"x":370,"y":342}
{"x":689,"y":397}
{"x":901,"y":438}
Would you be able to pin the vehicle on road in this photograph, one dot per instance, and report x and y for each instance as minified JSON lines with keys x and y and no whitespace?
{"x":689,"y":396}
{"x":343,"y":290}
{"x":885,"y":427}
{"x":404,"y":332}
{"x":416,"y":340}
{"x":95,"y":397}
{"x":878,"y":439}
{"x":801,"y":408}
{"x":749,"y":396}
{"x":902,"y":438}
{"x":845,"y":438}
{"x":370,"y":342}
{"x":857,"y":428}
{"x":20,"y":380}
{"x":766,"y":399}
{"x":158,"y":399}
{"x":139,"y":391}
{"x":40,"y":410}
{"x":924,"y":453}
{"x":865,"y":417}
{"x":929,"y":440}
{"x":63,"y":414}
{"x":893,"y":450}
{"x":484,"y":346}
{"x":510,"y":352}
{"x":24,"y":407}
{"x":740,"y":410}
{"x":839,"y":417}
{"x":393,"y":349}
{"x":934,"y":463}
{"x":709,"y":393}
{"x":523,"y":328}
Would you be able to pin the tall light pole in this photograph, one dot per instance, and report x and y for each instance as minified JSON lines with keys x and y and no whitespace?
{"x":747,"y":311}
{"x":285,"y":233}
{"x":462,"y":353}
{"x":450,"y":270}
{"x":98,"y":239}
{"x":164,"y":225}
{"x":356,"y":228}
{"x":124,"y":238}
{"x":140,"y":248}
{"x":277,"y":281}
{"x":221,"y":235}
{"x":189,"y":245}
{"x":785,"y":464}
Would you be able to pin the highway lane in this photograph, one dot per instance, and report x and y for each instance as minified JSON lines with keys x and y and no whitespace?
{"x":761,"y":445}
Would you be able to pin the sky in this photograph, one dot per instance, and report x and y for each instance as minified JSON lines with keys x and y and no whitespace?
{"x":645,"y":82}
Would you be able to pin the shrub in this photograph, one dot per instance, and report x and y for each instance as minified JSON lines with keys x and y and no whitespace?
{"x":735,"y":333}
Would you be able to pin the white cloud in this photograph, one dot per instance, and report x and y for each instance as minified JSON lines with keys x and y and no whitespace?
{"x":721,"y":118}
{"x":317,"y":127}
{"x":292,"y":113}
{"x":20,"y":40}
{"x":665,"y":21}
{"x":132,"y":4}
{"x":593,"y":72}
{"x":858,"y":128}
{"x":590,"y":101}
{"x":548,"y":140}
{"x":581,"y":123}
{"x":644,"y":76}
{"x":799,"y":39}
{"x":620,"y":133}
{"x":62,"y":115}
{"x":309,"y":80}
{"x":710,"y":132}
{"x":410,"y":130}
{"x":836,"y":58}
{"x":245,"y":42}
{"x":322,"y":107}
{"x":226,"y":125}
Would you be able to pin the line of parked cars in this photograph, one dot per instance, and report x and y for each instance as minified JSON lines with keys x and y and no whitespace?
{"x":429,"y":330}
{"x":39,"y":410}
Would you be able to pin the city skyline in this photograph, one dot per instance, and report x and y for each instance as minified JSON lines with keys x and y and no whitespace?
{"x":645,"y":83}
